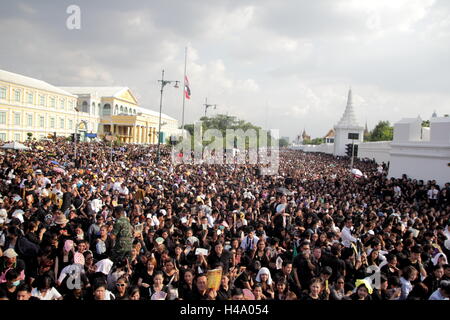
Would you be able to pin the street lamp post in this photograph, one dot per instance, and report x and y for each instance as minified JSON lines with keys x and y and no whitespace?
{"x":163,"y":84}
{"x":208,"y":105}
{"x":76,"y":132}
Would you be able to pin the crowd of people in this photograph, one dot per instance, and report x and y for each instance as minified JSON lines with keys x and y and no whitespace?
{"x":113,"y":224}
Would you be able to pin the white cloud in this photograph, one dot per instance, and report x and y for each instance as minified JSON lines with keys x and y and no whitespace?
{"x":297,"y":57}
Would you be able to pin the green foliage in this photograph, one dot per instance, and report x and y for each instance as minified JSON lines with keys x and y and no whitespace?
{"x":383,"y":131}
{"x":315,"y":141}
{"x":223,"y":122}
{"x":426,"y":123}
{"x":284,"y":143}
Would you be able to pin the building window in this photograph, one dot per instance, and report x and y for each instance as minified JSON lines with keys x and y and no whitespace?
{"x":3,"y":93}
{"x":2,"y":117}
{"x":61,"y":123}
{"x":30,"y":97}
{"x":71,"y":124}
{"x":16,"y":118}
{"x":42,"y":100}
{"x":30,"y":120}
{"x":52,"y":122}
{"x":2,"y":136}
{"x":62,"y":104}
{"x":52,"y":102}
{"x":85,"y":107}
{"x":107,"y":110}
{"x":42,"y":121}
{"x":16,"y":136}
{"x":17,"y":95}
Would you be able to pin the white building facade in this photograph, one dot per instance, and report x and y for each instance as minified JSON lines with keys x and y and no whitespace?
{"x":347,"y":124}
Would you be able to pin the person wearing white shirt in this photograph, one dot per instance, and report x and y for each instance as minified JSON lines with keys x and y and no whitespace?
{"x":123,"y":190}
{"x":433,"y":195}
{"x":408,"y":276}
{"x":346,"y":234}
{"x":447,"y":231}
{"x":44,"y":289}
{"x":249,"y":242}
{"x":443,"y":293}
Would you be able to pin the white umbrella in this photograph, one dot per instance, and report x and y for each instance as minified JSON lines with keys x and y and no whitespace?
{"x":357,"y":173}
{"x":15,"y":146}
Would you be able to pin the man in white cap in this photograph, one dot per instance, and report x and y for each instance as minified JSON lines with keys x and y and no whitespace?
{"x":8,"y":261}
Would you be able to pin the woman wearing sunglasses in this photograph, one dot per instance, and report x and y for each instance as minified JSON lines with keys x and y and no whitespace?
{"x":121,"y":289}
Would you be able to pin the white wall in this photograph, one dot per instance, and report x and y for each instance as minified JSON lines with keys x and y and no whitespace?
{"x":341,"y":139}
{"x":426,"y":159}
{"x":378,"y":151}
{"x":324,"y":147}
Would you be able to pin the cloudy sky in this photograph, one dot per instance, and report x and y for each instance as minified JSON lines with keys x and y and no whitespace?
{"x":279,"y":64}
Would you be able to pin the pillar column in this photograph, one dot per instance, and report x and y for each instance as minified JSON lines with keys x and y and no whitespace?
{"x":133,"y":134}
{"x":146,"y":135}
{"x":138,"y":134}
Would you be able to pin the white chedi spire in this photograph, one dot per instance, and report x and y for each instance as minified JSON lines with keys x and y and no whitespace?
{"x":348,"y":119}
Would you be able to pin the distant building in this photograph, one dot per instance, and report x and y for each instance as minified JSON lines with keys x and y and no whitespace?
{"x":329,"y":137}
{"x":305,"y":136}
{"x":122,"y":116}
{"x":32,"y":106}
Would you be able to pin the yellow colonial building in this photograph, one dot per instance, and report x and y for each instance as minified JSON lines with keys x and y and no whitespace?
{"x":121,"y":115}
{"x":32,"y":106}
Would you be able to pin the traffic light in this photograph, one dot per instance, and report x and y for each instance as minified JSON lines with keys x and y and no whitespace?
{"x":348,"y":149}
{"x":355,"y":151}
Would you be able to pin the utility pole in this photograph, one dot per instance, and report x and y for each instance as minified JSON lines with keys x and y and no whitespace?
{"x":163,"y":84}
{"x":208,"y":105}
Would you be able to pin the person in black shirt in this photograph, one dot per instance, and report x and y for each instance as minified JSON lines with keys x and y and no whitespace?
{"x":433,"y":280}
{"x":67,"y":199}
{"x":12,"y":278}
{"x":219,"y":255}
{"x":186,"y":287}
{"x":225,"y":291}
{"x":24,"y":293}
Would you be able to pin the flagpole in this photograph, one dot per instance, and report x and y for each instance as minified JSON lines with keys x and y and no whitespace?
{"x":184,"y":90}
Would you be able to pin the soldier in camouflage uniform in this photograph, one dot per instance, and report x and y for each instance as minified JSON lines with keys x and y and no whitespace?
{"x":122,"y":233}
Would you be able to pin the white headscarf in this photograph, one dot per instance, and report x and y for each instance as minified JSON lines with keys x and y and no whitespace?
{"x":104,"y":266}
{"x":264,"y":271}
{"x":435,"y":259}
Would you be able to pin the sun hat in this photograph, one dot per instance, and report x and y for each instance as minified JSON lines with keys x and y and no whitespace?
{"x":3,"y":214}
{"x":10,"y":253}
{"x":19,"y":215}
{"x":61,"y":219}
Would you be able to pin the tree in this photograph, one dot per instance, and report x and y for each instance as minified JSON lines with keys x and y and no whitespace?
{"x":383,"y":131}
{"x":426,"y":123}
{"x":223,"y":122}
{"x":284,"y":142}
{"x":315,"y":141}
{"x":29,"y":134}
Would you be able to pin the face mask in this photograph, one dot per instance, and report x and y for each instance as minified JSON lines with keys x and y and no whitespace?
{"x":16,"y":283}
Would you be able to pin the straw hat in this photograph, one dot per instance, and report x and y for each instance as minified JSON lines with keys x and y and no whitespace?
{"x":61,"y":219}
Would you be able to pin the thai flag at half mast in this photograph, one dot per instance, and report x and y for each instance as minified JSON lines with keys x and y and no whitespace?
{"x":187,"y":90}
